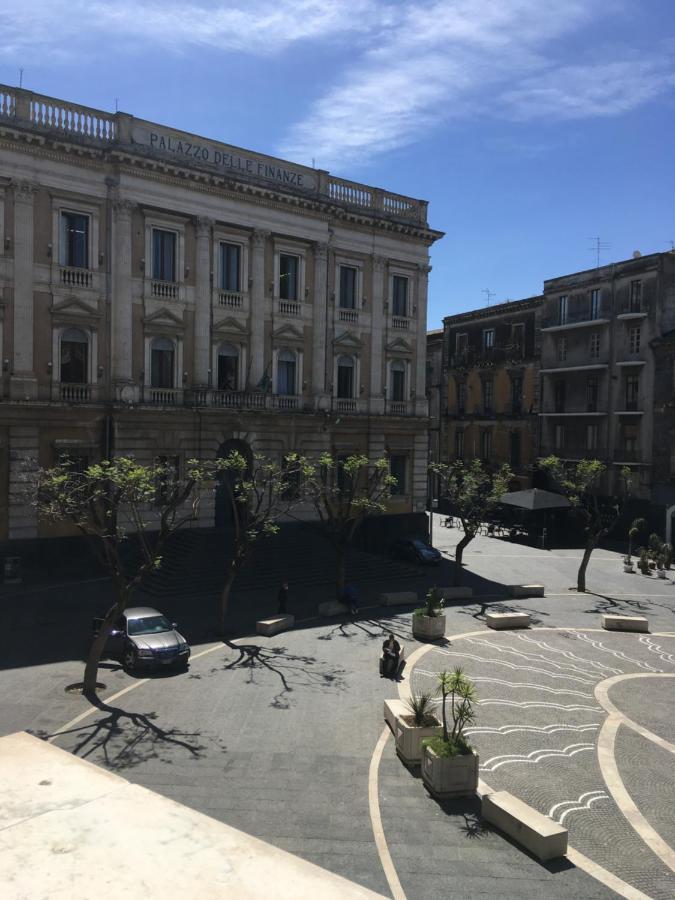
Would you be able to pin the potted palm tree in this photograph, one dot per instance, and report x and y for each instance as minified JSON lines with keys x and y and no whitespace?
{"x":413,"y":726}
{"x":449,"y":762}
{"x":637,"y":526}
{"x":428,"y":622}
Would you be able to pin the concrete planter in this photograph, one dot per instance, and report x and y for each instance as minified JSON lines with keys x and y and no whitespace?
{"x":628,"y":568}
{"x":409,"y":739}
{"x":449,"y":777}
{"x":428,"y":628}
{"x":661,"y":573}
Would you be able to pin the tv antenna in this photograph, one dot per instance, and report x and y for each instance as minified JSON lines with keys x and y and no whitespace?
{"x":598,"y":248}
{"x":20,"y":78}
{"x":672,"y":245}
{"x":117,"y":104}
{"x":489,"y":295}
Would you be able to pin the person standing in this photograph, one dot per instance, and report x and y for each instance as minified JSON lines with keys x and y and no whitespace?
{"x":282,"y":598}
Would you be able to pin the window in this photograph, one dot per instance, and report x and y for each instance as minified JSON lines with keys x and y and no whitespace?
{"x":591,"y":437}
{"x":398,"y":464}
{"x":486,"y":445}
{"x":514,"y":449}
{"x":400,"y":298}
{"x":74,"y":357}
{"x":74,"y":240}
{"x":348,"y":276}
{"x":632,"y":388}
{"x":562,"y":349}
{"x":562,"y":309}
{"x":629,"y":439}
{"x":595,"y":345}
{"x":517,"y":394}
{"x":461,"y":397}
{"x":488,"y":338}
{"x":228,"y":368}
{"x":161,"y":363}
{"x":461,"y":343}
{"x":595,"y":304}
{"x":518,"y":337}
{"x":286,"y":372}
{"x":592,"y":394}
{"x":488,"y":395}
{"x":559,"y":396}
{"x":345,"y":377}
{"x":289,"y":267}
{"x":230,"y":267}
{"x":634,"y":339}
{"x":559,"y":437}
{"x":163,"y":255}
{"x":398,"y":380}
{"x":459,"y":444}
{"x":635,"y":296}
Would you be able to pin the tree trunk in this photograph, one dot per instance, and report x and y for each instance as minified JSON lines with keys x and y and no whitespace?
{"x":341,"y":571}
{"x":459,"y":552}
{"x":225,"y":596}
{"x":581,"y":574}
{"x":96,"y":649}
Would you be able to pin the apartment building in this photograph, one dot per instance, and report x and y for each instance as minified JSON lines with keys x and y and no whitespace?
{"x":491,"y":367}
{"x":166,"y":295}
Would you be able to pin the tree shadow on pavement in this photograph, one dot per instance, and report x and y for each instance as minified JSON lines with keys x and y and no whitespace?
{"x":483,"y":605}
{"x":294,"y":671}
{"x":121,"y":740}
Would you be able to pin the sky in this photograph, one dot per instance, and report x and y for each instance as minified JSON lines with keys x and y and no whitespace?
{"x":532,"y":127}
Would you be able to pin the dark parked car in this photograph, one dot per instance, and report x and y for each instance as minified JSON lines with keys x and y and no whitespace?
{"x":144,"y":637}
{"x":415,"y":550}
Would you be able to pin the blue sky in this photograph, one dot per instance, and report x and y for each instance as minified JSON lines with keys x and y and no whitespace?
{"x":531,"y":126}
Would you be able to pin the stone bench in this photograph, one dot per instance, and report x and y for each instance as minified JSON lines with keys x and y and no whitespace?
{"x":535,"y":832}
{"x":394,"y":709}
{"x":455,"y":593}
{"x":507,"y":620}
{"x":274,"y":625}
{"x":625,"y":623}
{"x":399,"y":598}
{"x":526,"y":590}
{"x":332,"y":608}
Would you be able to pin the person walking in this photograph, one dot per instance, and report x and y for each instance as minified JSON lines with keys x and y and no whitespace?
{"x":282,"y":598}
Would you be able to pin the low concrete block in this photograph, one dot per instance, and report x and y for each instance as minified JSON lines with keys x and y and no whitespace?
{"x":274,"y":625}
{"x":455,"y":593}
{"x":526,"y":590}
{"x":393,"y":710}
{"x":537,"y":833}
{"x":332,"y":608}
{"x":507,"y":620}
{"x":399,"y":598}
{"x":625,"y":623}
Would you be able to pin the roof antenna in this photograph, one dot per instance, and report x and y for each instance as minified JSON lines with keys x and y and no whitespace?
{"x":489,"y":294}
{"x":117,"y":104}
{"x":20,"y":78}
{"x":598,"y":247}
{"x":313,"y":163}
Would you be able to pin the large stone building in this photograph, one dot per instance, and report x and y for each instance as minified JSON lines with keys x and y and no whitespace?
{"x":491,"y":365}
{"x":166,"y":295}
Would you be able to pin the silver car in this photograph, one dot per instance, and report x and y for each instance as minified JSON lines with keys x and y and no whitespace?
{"x":145,"y":637}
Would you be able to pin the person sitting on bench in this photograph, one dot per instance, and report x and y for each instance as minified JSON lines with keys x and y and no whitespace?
{"x":391,"y":652}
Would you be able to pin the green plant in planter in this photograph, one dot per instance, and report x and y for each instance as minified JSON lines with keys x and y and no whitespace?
{"x":421,"y":708}
{"x":462,"y":693}
{"x":637,"y":526}
{"x":643,"y":561}
{"x":667,"y":555}
{"x":433,"y":604}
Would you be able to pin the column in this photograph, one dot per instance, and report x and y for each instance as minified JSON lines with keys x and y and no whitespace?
{"x":202,"y":322}
{"x":23,"y":384}
{"x":320,"y":313}
{"x":420,"y":373}
{"x":377,"y":335}
{"x":24,"y":452}
{"x":258,"y":241}
{"x":121,"y":303}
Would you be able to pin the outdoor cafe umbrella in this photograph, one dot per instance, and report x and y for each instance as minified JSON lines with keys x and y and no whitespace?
{"x":534,"y":499}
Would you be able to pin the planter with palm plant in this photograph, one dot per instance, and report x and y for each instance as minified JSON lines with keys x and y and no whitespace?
{"x":636,"y":528}
{"x":428,"y":622}
{"x":414,"y":725}
{"x":449,"y":763}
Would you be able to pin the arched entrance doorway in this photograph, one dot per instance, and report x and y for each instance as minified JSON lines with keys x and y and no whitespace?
{"x":223,"y":510}
{"x":669,"y":524}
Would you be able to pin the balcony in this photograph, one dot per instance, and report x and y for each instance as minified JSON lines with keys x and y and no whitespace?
{"x":400,"y":323}
{"x":285,"y":401}
{"x":229,"y":299}
{"x":574,"y":452}
{"x":398,"y":408}
{"x":163,"y":396}
{"x":163,"y":290}
{"x":572,"y":409}
{"x":629,"y":456}
{"x":74,"y":393}
{"x":576,"y":318}
{"x":289,"y":308}
{"x":345,"y":405}
{"x":633,"y":309}
{"x":488,"y":356}
{"x":72,"y":277}
{"x":350,"y":316}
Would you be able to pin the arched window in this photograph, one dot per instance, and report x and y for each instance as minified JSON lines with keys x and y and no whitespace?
{"x":286,"y":367}
{"x":74,"y":357}
{"x":228,"y":368}
{"x":162,"y":352}
{"x":398,"y":380}
{"x":345,"y":377}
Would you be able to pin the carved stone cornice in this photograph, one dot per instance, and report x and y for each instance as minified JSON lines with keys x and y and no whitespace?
{"x":424,"y":268}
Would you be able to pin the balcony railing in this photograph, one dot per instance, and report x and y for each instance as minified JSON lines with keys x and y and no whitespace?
{"x":163,"y":396}
{"x":164,"y":290}
{"x":575,"y":451}
{"x":283,"y":401}
{"x":398,"y":407}
{"x":487,"y":356}
{"x":76,"y":278}
{"x":349,"y":315}
{"x":73,"y":393}
{"x":629,"y":456}
{"x":634,"y":308}
{"x":344,"y":405}
{"x":289,"y":308}
{"x":400,"y":323}
{"x":576,"y":317}
{"x":230,"y":299}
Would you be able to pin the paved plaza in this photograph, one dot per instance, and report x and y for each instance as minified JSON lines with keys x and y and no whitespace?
{"x":283,"y":737}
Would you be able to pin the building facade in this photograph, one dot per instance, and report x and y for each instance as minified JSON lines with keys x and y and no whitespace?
{"x":491,"y":367}
{"x":601,"y":397}
{"x":167,"y":296}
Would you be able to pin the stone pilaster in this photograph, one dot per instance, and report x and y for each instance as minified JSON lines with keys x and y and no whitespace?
{"x":420,"y":373}
{"x":320,"y":311}
{"x":377,"y":318}
{"x":122,"y":317}
{"x":23,"y":385}
{"x":257,"y":328}
{"x":202,"y":325}
{"x":23,"y":462}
